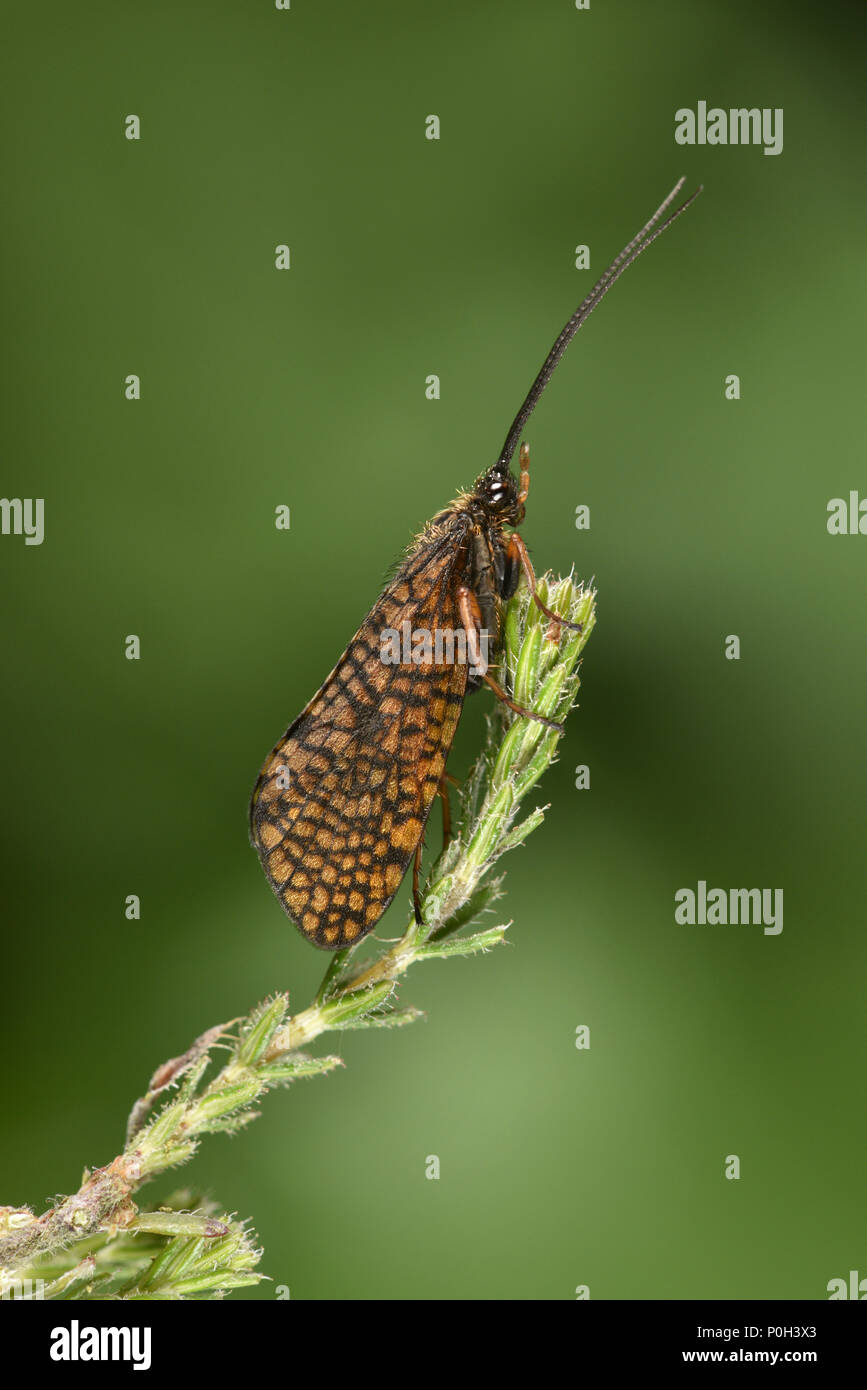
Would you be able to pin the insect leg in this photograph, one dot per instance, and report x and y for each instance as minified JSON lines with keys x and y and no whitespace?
{"x":416,"y":895}
{"x":516,"y":550}
{"x":524,"y":461}
{"x":470,"y":615}
{"x":443,"y":794}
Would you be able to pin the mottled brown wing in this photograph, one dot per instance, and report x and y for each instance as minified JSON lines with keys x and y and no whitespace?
{"x":341,"y":803}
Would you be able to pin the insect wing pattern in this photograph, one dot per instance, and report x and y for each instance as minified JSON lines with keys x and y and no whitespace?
{"x":341,"y":803}
{"x":340,"y":806}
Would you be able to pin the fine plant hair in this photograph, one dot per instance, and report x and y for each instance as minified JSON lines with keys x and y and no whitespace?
{"x":102,"y":1242}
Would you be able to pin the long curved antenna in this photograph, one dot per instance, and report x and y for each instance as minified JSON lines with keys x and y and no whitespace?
{"x":649,"y":232}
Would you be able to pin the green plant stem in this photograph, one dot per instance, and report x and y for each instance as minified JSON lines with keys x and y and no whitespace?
{"x":95,"y":1242}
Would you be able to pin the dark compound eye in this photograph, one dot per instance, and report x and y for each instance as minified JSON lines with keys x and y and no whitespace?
{"x":499,"y":496}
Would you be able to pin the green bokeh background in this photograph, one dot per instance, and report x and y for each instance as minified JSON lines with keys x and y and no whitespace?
{"x":306,"y":388}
